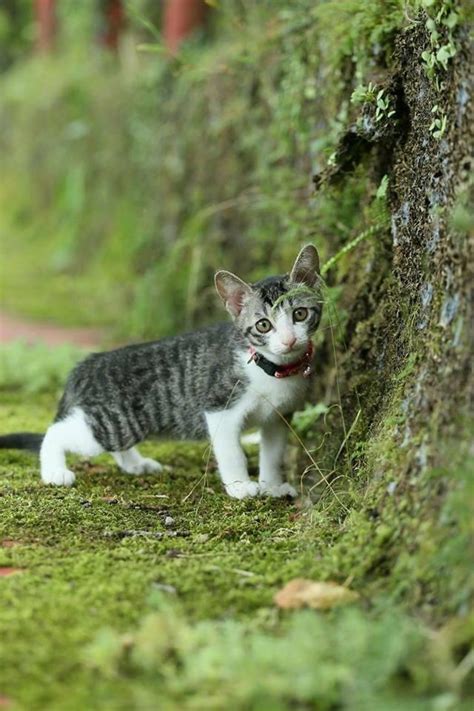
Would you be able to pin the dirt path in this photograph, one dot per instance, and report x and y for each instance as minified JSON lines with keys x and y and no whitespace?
{"x":14,"y":329}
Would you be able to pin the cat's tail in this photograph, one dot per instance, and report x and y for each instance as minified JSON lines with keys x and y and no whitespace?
{"x":22,"y":440}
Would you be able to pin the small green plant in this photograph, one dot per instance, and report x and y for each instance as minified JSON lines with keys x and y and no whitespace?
{"x":332,"y":160}
{"x":442,"y":47}
{"x":373,"y":229}
{"x":439,"y":122}
{"x":364,"y":94}
{"x":439,"y":58}
{"x":369,"y":95}
{"x":383,"y":106}
{"x":305,"y":419}
{"x":381,"y":193}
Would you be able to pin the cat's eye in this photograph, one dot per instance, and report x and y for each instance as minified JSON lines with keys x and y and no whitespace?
{"x":264,"y":325}
{"x":300,"y":314}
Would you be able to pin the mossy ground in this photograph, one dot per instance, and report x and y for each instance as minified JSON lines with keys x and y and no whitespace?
{"x":101,"y":556}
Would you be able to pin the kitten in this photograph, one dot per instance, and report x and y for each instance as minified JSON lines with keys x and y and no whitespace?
{"x":214,"y":382}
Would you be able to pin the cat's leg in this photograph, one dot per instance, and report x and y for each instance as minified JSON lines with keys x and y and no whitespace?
{"x":132,"y":462}
{"x":272,"y":449}
{"x":224,"y":429}
{"x":72,"y":434}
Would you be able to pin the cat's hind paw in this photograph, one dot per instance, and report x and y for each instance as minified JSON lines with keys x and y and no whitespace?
{"x":277,"y":491}
{"x":242,"y":489}
{"x":59,"y":477}
{"x":144,"y":466}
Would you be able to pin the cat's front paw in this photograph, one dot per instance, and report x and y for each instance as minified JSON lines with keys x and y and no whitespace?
{"x":242,"y":489}
{"x":277,"y":491}
{"x":59,"y":477}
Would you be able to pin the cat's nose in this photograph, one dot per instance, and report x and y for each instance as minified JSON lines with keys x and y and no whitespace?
{"x":289,"y":342}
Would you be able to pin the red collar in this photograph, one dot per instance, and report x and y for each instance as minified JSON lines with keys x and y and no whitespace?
{"x":303,"y":365}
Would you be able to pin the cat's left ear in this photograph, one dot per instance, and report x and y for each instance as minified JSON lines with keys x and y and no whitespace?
{"x":306,"y":267}
{"x":232,"y":291}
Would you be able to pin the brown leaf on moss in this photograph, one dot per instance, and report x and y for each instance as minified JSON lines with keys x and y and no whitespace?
{"x":308,"y":593}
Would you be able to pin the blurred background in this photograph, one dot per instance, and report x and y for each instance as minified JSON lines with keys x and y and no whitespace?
{"x":145,"y":144}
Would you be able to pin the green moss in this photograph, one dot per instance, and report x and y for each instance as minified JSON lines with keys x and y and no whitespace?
{"x":102,"y":556}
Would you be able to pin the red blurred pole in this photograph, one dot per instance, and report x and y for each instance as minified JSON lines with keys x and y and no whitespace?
{"x":181,"y":17}
{"x":114,"y":22}
{"x":46,"y":24}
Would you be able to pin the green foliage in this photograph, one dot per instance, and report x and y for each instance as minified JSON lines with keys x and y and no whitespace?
{"x":441,"y":23}
{"x":146,"y":178}
{"x":341,"y":659}
{"x":16,"y":30}
{"x":304,"y":420}
{"x":148,"y":175}
{"x":36,"y":368}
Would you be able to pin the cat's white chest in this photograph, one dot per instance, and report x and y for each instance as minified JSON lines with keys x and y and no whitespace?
{"x":267,"y":396}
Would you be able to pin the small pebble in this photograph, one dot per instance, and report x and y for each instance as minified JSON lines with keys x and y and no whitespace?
{"x":169,"y":520}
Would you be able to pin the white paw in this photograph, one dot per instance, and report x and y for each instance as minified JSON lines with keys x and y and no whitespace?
{"x":59,"y":477}
{"x":277,"y":491}
{"x":144,"y":466}
{"x":242,"y":489}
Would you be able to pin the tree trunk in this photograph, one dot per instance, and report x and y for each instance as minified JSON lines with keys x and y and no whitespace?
{"x":46,"y":24}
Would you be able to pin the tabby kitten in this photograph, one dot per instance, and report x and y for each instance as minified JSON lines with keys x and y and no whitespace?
{"x":214,"y":382}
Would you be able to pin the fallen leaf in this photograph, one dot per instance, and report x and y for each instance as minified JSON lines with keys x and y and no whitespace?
{"x":5,"y":702}
{"x":9,"y":571}
{"x":308,"y":593}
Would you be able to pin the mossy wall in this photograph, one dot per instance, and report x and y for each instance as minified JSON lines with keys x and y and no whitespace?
{"x":403,"y":372}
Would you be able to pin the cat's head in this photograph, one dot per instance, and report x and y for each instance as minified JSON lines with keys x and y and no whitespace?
{"x":279,"y":314}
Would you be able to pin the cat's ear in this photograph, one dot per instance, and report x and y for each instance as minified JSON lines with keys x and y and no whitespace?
{"x":306,"y":267}
{"x":232,"y":291}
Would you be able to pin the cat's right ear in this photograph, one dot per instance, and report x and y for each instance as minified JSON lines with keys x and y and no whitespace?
{"x":306,"y":267}
{"x":232,"y":291}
